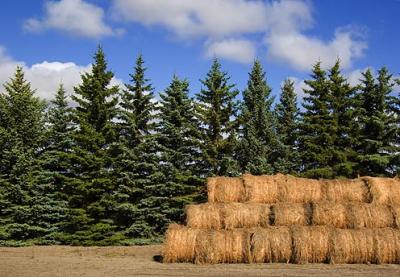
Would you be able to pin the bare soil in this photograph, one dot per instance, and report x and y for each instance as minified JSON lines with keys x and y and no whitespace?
{"x":54,"y":261}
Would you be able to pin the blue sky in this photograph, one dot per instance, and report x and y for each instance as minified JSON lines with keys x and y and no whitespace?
{"x":54,"y":40}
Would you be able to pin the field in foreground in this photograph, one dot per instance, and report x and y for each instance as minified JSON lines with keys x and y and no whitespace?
{"x":54,"y":261}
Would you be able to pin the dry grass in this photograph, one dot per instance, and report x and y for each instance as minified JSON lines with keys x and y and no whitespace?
{"x":287,"y":214}
{"x":227,"y":215}
{"x":180,"y":244}
{"x":330,"y":214}
{"x":344,"y":190}
{"x":384,"y":190}
{"x":261,"y":189}
{"x":225,"y":189}
{"x":311,"y":244}
{"x":271,"y":245}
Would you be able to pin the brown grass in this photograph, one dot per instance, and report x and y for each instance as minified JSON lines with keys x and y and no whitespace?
{"x":344,"y":190}
{"x":384,"y":190}
{"x":225,"y":189}
{"x":330,"y":214}
{"x":227,"y":215}
{"x":261,"y":189}
{"x":287,"y":214}
{"x":271,"y":245}
{"x":299,"y":190}
{"x":180,"y":244}
{"x":311,"y":244}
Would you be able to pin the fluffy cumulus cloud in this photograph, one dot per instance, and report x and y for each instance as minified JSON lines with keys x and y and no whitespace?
{"x":76,"y":17}
{"x":45,"y":77}
{"x":230,"y":23}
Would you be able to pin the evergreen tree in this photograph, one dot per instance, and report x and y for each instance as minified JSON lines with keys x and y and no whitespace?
{"x":139,"y":205}
{"x":315,"y":138}
{"x":287,"y":117}
{"x":343,"y":128}
{"x":91,"y":189}
{"x":21,"y":133}
{"x":378,"y":150}
{"x":180,"y":156}
{"x":215,"y":109}
{"x":258,"y":148}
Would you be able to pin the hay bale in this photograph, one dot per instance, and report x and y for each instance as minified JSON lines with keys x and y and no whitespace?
{"x":205,"y":216}
{"x":227,"y":215}
{"x":384,"y":190}
{"x":352,"y":246}
{"x":299,"y":190}
{"x":271,"y":245}
{"x":345,"y":190}
{"x":225,"y":189}
{"x":363,"y":215}
{"x":396,"y":215}
{"x":330,"y":214}
{"x":287,"y":214}
{"x":232,"y":246}
{"x":180,"y":244}
{"x":311,"y":244}
{"x":386,"y":246}
{"x":261,"y":189}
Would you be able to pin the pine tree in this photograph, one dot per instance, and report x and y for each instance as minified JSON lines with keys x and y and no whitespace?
{"x":138,"y":209}
{"x":180,"y":156}
{"x":215,"y":109}
{"x":315,"y":137}
{"x":258,"y":145}
{"x":21,"y":133}
{"x":91,"y":189}
{"x":377,"y":151}
{"x":287,"y":116}
{"x":343,"y":128}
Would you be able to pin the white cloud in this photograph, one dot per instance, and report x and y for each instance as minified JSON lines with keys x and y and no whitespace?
{"x":75,"y":17}
{"x":45,"y":77}
{"x":282,"y":22}
{"x":239,"y":50}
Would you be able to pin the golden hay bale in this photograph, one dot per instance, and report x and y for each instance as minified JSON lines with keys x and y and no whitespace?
{"x":227,"y":215}
{"x":386,"y":246}
{"x":396,"y":215}
{"x":384,"y":190}
{"x":352,"y":246}
{"x":225,"y":189}
{"x":205,"y":216}
{"x":222,"y":246}
{"x":344,"y":190}
{"x":261,"y":189}
{"x":271,"y":245}
{"x":287,"y":214}
{"x":330,"y":214}
{"x":299,"y":190}
{"x":239,"y":215}
{"x":363,"y":215}
{"x":311,"y":244}
{"x":179,"y":245}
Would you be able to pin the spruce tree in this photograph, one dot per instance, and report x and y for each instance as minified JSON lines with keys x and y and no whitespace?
{"x":377,"y":149}
{"x":216,"y":109}
{"x":287,"y":118}
{"x":92,"y":187}
{"x":179,"y":139}
{"x":258,"y":144}
{"x":315,"y":135}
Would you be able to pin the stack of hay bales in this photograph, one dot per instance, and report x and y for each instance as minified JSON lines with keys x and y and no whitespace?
{"x":281,"y":218}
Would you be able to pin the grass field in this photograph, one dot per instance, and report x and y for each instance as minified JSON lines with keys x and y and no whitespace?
{"x":54,"y":261}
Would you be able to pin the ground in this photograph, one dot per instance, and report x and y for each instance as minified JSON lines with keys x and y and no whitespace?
{"x":54,"y":261}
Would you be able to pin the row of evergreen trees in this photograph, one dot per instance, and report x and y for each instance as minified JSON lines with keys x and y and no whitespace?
{"x":118,"y":166}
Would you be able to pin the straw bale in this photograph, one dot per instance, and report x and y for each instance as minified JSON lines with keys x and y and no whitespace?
{"x":363,"y":215}
{"x":345,"y":190}
{"x":396,"y":215}
{"x":384,"y":190}
{"x":352,"y":246}
{"x":386,"y":246}
{"x":225,"y":189}
{"x":311,"y":244}
{"x":271,"y":245}
{"x":299,"y":190}
{"x":180,"y":244}
{"x":261,"y":189}
{"x":330,"y":214}
{"x":287,"y":214}
{"x":205,"y":216}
